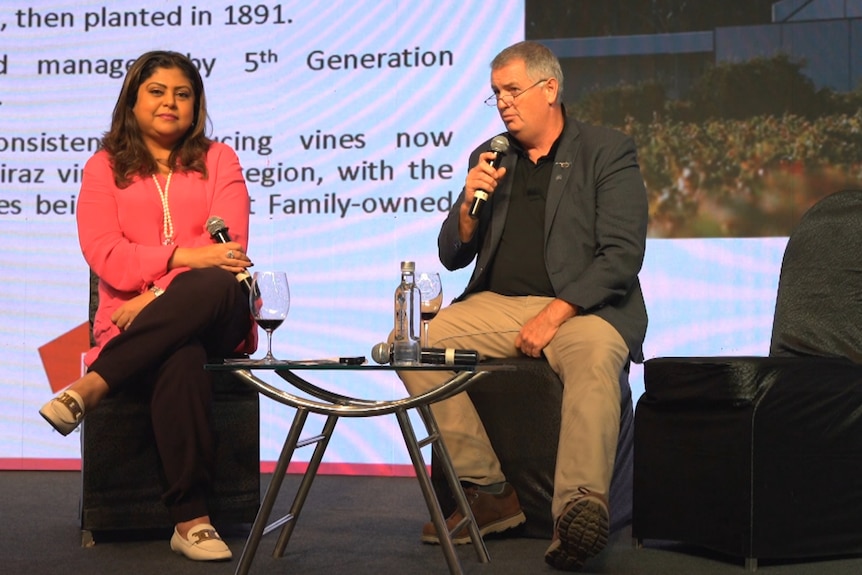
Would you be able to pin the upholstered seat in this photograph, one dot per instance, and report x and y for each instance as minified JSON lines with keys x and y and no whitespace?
{"x":760,"y":457}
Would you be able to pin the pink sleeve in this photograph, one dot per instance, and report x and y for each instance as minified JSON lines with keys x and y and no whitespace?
{"x":118,"y":229}
{"x":230,"y":199}
{"x":124,"y":265}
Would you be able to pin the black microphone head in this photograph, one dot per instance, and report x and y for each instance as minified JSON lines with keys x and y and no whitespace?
{"x":500,"y":144}
{"x":214,"y":225}
{"x":381,"y":352}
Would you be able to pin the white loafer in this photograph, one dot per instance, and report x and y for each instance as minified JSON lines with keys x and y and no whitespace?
{"x":64,"y":412}
{"x":203,"y":544}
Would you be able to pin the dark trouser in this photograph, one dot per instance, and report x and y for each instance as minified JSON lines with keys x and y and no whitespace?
{"x":203,"y":313}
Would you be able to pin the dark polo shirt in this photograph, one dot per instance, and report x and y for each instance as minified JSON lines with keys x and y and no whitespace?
{"x":518,"y":267}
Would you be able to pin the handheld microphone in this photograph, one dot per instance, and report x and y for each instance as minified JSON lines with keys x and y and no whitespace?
{"x":500,"y":145}
{"x":382,"y":353}
{"x":218,"y":231}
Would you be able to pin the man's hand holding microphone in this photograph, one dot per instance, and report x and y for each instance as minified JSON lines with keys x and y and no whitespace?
{"x":481,"y":181}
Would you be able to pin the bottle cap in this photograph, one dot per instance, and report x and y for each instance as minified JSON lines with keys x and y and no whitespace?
{"x":408,"y":266}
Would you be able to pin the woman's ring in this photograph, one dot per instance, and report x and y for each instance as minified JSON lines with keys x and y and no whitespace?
{"x":230,"y":254}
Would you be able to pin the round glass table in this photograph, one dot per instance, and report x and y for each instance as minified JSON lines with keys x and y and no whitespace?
{"x":316,"y":399}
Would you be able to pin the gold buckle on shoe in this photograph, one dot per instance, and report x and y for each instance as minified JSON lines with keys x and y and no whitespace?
{"x":72,"y":405}
{"x":205,"y":535}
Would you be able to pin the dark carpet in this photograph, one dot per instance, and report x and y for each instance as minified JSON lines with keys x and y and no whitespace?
{"x":355,"y":525}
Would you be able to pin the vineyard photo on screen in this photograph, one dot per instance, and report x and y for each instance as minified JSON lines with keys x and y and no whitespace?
{"x":740,"y":126}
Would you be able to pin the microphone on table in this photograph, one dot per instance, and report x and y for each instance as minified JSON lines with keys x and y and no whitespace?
{"x":382,"y":353}
{"x":500,"y":145}
{"x":218,"y":231}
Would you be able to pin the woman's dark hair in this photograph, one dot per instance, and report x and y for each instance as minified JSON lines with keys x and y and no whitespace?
{"x":129,"y":154}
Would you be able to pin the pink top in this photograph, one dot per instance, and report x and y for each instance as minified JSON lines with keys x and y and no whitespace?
{"x":120,"y":230}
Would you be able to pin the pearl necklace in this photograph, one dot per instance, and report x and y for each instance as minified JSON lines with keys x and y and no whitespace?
{"x":167,"y":222}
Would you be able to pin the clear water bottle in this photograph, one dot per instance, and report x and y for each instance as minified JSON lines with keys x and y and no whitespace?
{"x":405,"y":348}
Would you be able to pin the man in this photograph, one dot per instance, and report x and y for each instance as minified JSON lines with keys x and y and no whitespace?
{"x":558,"y":248}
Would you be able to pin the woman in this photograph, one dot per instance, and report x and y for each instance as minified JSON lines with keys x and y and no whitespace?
{"x":168,"y":294}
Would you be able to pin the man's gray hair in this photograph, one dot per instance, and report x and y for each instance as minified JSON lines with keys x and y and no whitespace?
{"x":540,"y":62}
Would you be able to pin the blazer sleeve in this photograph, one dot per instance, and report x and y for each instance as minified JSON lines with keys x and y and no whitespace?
{"x":455,"y":254}
{"x":619,"y":229}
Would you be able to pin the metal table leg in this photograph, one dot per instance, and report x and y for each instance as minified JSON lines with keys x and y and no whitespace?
{"x":414,"y":449}
{"x":454,"y":482}
{"x":271,"y":494}
{"x":322,"y":441}
{"x":260,"y":527}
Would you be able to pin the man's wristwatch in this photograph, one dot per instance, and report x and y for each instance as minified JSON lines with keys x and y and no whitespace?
{"x":157,"y":291}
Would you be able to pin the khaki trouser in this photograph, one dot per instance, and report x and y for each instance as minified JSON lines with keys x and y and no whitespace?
{"x":587,"y":353}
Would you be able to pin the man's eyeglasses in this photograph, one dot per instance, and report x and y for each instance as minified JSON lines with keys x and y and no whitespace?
{"x":508,"y":98}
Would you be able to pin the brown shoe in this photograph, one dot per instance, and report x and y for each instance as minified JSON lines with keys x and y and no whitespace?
{"x":581,"y":532}
{"x":493,"y":514}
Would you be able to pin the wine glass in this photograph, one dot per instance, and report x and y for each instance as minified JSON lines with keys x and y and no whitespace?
{"x":431,"y":291}
{"x":269,"y":301}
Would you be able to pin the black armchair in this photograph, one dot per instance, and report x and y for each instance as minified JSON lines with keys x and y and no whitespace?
{"x":761,"y":457}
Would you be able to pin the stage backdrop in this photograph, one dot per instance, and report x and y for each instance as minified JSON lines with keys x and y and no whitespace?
{"x":352,"y":121}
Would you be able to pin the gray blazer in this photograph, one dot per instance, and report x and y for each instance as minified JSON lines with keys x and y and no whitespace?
{"x":595,"y":228}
